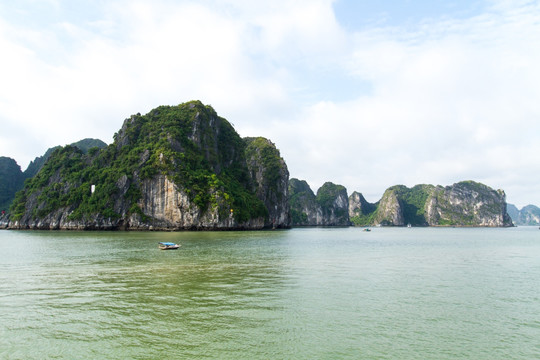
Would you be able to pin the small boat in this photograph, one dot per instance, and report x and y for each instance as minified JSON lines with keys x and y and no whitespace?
{"x":168,"y":246}
{"x":367,"y":229}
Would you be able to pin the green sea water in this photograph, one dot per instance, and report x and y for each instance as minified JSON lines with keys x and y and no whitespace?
{"x":392,"y":293}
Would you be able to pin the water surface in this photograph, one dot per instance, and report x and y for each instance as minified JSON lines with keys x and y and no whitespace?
{"x":392,"y":293}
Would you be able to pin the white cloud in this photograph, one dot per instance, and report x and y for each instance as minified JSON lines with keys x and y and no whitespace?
{"x":456,"y":101}
{"x":446,"y":100}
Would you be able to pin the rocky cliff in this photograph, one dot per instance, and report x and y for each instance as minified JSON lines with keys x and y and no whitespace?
{"x":304,"y":208}
{"x":466,"y":203}
{"x":11,"y":181}
{"x":334,"y":204}
{"x":177,"y":167}
{"x":330,"y":207}
{"x":360,"y":210}
{"x":528,"y":215}
{"x":269,"y":172}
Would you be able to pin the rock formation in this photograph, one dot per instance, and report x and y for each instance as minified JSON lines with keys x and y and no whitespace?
{"x":11,"y":180}
{"x":304,"y":208}
{"x":177,"y":167}
{"x":271,"y":176}
{"x":330,"y":207}
{"x":334,"y":204}
{"x":528,"y":215}
{"x":466,"y":203}
{"x":360,"y":210}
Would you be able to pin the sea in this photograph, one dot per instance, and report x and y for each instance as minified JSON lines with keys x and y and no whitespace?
{"x":310,"y":293}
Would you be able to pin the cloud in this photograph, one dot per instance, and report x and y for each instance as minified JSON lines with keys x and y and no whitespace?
{"x":141,"y":55}
{"x":438,"y":101}
{"x":451,"y":100}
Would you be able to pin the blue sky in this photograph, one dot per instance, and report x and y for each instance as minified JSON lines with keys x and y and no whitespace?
{"x":361,"y":93}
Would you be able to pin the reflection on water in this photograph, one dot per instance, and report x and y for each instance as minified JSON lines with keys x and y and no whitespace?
{"x":304,"y":293}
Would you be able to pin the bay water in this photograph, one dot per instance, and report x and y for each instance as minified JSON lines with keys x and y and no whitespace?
{"x":314,"y":293}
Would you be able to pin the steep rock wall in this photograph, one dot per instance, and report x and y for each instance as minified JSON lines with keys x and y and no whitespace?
{"x":390,"y":211}
{"x":328,"y":208}
{"x":271,"y":176}
{"x":467,"y":204}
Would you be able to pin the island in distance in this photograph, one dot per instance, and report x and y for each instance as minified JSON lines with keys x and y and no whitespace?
{"x":527,"y":216}
{"x":466,"y":203}
{"x":186,"y":168}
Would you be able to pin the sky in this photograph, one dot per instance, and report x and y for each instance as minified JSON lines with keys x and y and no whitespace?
{"x":366,"y":94}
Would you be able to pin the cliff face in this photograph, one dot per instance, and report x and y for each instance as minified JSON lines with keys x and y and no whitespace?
{"x":467,"y":204}
{"x":180,"y":167}
{"x":360,"y":210}
{"x":304,"y":208}
{"x":463,"y":204}
{"x":271,"y":176}
{"x":328,"y":208}
{"x":11,"y":180}
{"x":334,"y":203}
{"x":390,"y":211}
{"x":528,"y":215}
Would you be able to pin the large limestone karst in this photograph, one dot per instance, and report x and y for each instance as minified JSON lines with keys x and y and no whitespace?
{"x":330,"y":207}
{"x":466,"y":203}
{"x":304,"y":208}
{"x":269,"y":172}
{"x":177,"y":167}
{"x":528,"y":215}
{"x":360,"y":210}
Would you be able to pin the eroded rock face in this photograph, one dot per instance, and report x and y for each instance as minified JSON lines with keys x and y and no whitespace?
{"x":11,"y":181}
{"x":528,"y":215}
{"x":271,"y":177}
{"x":304,"y":208}
{"x":328,"y":208}
{"x":359,"y":206}
{"x":389,"y":212}
{"x":334,"y":204}
{"x":467,"y":204}
{"x":167,"y":207}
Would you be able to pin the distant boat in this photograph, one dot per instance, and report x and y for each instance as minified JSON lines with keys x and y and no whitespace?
{"x":409,"y":225}
{"x":168,"y":246}
{"x":367,"y":229}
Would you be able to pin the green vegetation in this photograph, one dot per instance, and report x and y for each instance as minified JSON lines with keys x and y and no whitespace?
{"x":364,"y":214}
{"x":38,"y":163}
{"x":298,"y":217}
{"x":327,"y":195}
{"x":413,"y":202}
{"x":272,"y":164}
{"x":363,"y":220}
{"x":178,"y":141}
{"x":11,"y":180}
{"x":85,"y":145}
{"x":300,"y":195}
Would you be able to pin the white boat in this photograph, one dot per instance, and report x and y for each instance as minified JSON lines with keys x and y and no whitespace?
{"x":168,"y":246}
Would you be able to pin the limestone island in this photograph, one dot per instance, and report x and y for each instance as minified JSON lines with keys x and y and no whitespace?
{"x":186,"y":168}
